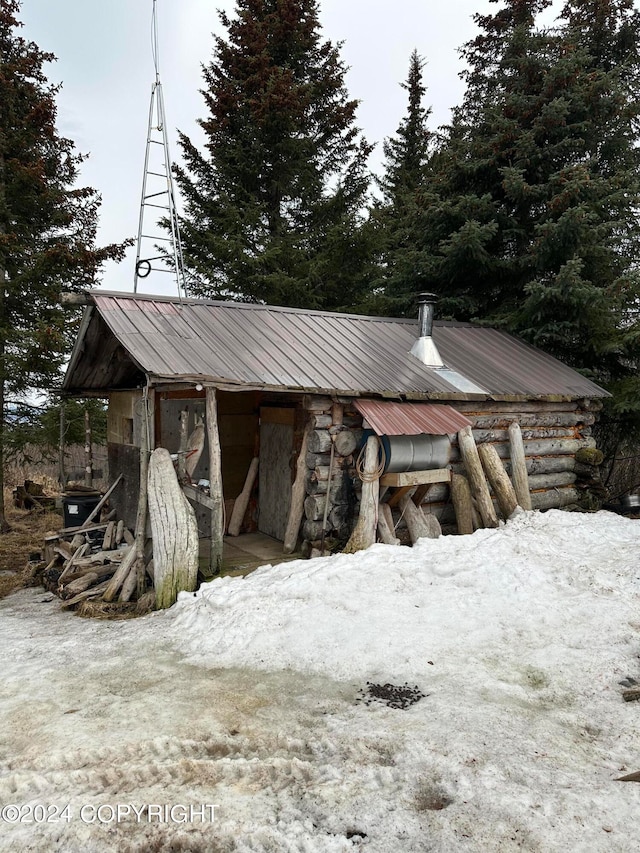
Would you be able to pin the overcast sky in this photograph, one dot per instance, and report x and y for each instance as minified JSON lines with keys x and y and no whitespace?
{"x":106,"y":68}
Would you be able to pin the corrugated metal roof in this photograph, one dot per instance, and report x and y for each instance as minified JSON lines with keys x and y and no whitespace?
{"x":387,"y":418}
{"x":272,"y":347}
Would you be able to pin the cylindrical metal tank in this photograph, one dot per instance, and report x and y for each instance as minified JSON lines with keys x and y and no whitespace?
{"x":415,"y":452}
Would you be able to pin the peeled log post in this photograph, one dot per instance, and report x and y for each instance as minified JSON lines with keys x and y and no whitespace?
{"x":364,"y":533}
{"x":215,"y":483}
{"x":174,"y":531}
{"x":296,"y":510}
{"x":475,"y":474}
{"x":242,"y":501}
{"x":498,"y":478}
{"x":519,"y":467}
{"x":462,"y":503}
{"x":121,"y":572}
{"x":385,"y":525}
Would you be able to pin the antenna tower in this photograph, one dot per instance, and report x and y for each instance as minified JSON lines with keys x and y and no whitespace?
{"x":157,"y":189}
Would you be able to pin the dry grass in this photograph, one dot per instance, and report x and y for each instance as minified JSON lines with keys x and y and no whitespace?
{"x":25,"y":538}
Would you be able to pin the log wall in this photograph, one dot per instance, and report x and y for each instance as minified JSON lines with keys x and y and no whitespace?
{"x":552,"y":432}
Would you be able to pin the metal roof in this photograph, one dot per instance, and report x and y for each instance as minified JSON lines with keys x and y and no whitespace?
{"x":236,"y":344}
{"x":388,"y":418}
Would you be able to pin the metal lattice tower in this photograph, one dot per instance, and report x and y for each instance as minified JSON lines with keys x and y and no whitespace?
{"x":157,"y":190}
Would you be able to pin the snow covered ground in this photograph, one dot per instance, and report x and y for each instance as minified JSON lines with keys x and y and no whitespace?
{"x":247,"y":696}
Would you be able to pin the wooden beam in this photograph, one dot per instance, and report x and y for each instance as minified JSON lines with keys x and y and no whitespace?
{"x":198,"y":497}
{"x":215,"y":481}
{"x":416,"y":478}
{"x":395,"y":498}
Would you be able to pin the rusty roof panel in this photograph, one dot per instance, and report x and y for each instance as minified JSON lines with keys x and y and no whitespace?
{"x":266,"y":346}
{"x":388,"y":418}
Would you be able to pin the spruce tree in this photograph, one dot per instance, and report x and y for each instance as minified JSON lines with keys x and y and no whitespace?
{"x":535,"y":227}
{"x":273,"y":205}
{"x":47,"y":225}
{"x":397,"y":215}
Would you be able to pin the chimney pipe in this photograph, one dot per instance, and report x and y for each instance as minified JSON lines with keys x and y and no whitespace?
{"x":424,"y":348}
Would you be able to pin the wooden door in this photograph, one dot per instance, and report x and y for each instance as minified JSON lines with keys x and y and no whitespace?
{"x":276,"y":448}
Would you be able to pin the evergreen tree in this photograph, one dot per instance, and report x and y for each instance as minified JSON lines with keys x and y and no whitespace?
{"x":535,"y":228}
{"x":397,"y":216}
{"x":47,"y":227}
{"x":273,"y":208}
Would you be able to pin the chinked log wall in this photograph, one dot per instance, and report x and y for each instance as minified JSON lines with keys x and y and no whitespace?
{"x":552,"y":432}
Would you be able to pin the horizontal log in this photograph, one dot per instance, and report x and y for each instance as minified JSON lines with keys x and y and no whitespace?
{"x":535,"y":465}
{"x":531,"y":419}
{"x":320,"y":441}
{"x":552,"y":481}
{"x":321,"y":421}
{"x":484,"y":436}
{"x":316,"y":460}
{"x":554,"y":498}
{"x":546,"y":447}
{"x":317,"y":404}
{"x":516,"y":406}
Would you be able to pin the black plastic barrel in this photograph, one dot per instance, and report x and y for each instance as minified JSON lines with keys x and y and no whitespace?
{"x":78,"y":507}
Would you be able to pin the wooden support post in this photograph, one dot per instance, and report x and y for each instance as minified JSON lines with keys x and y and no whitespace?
{"x":141,"y":513}
{"x":88,"y":450}
{"x":364,"y":533}
{"x":62,"y":479}
{"x":385,"y":525}
{"x":298,"y":493}
{"x":498,"y":478}
{"x":183,"y":446}
{"x":215,"y":482}
{"x":477,"y":482}
{"x":242,"y":501}
{"x":120,"y":575}
{"x":462,"y":503}
{"x":174,"y":531}
{"x":519,"y":466}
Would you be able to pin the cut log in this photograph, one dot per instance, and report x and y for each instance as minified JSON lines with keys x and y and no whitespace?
{"x":75,"y":587}
{"x":110,"y":537}
{"x":174,"y":532}
{"x":93,"y":592}
{"x":128,"y":536}
{"x":337,"y":414}
{"x":122,"y":571}
{"x":296,"y":510}
{"x":435,"y":531}
{"x":418,"y":526}
{"x":322,"y":421}
{"x":385,"y":525}
{"x":498,"y":478}
{"x":462,"y":503}
{"x":519,"y":473}
{"x":345,"y":442}
{"x":320,"y":441}
{"x":242,"y":501}
{"x":80,"y":551}
{"x":96,"y":511}
{"x":554,"y":498}
{"x":130,"y":584}
{"x":119,"y":532}
{"x":475,"y":475}
{"x":364,"y":533}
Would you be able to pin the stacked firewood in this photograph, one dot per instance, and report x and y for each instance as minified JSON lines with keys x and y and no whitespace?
{"x":96,"y":561}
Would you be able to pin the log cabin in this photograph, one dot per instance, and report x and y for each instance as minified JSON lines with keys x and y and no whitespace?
{"x":289,"y":398}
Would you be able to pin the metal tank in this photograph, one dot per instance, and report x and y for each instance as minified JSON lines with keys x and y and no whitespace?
{"x":415,"y":452}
